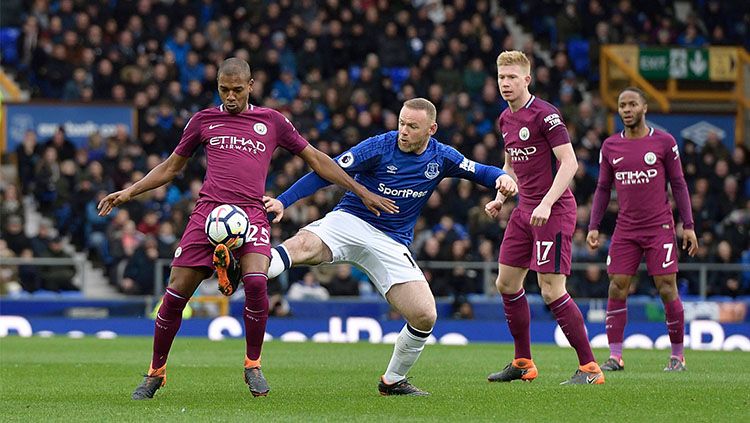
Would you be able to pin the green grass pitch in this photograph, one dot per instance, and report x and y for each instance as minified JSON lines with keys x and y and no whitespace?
{"x":88,"y":379}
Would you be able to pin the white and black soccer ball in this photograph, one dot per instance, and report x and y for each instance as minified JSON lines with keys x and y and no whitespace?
{"x":227,"y":224}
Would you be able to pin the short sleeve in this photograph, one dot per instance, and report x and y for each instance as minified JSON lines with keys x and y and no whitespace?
{"x":288,"y":137}
{"x":191,"y":137}
{"x":554,"y":129}
{"x":363,"y":156}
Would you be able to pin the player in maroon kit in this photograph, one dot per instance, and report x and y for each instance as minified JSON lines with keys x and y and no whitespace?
{"x":640,"y":161}
{"x":540,"y":230}
{"x":239,"y":140}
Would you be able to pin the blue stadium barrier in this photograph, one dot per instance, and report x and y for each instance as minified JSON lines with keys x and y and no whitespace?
{"x":640,"y":309}
{"x":700,"y":334}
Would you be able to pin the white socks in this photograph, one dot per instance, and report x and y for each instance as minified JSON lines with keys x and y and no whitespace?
{"x":280,"y":261}
{"x":409,"y":345}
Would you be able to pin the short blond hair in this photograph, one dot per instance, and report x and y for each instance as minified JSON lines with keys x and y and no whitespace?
{"x":514,"y":57}
{"x":422,"y":104}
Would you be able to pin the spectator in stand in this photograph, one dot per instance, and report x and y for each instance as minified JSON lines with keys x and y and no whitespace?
{"x":28,"y":153}
{"x":66,"y":150}
{"x":11,"y":206}
{"x":343,"y":283}
{"x":138,"y":278}
{"x":58,"y":277}
{"x":725,"y":282}
{"x":14,"y":235}
{"x":593,"y":283}
{"x":307,"y":289}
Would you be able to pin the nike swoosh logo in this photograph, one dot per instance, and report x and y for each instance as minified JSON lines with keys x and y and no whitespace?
{"x":505,"y":134}
{"x":667,"y":264}
{"x":539,"y":263}
{"x":592,"y":379}
{"x":617,"y":160}
{"x":215,"y":126}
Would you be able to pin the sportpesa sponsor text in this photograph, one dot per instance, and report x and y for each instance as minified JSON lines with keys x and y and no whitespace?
{"x":403,"y":193}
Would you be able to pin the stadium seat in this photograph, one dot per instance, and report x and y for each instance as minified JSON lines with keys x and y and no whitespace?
{"x":578,"y":51}
{"x":8,"y":41}
{"x":397,"y":75}
{"x":354,"y":72}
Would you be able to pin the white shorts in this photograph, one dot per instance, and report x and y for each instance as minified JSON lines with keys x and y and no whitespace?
{"x":352,"y":240}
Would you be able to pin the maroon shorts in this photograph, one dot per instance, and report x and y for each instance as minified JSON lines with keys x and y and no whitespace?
{"x":627,"y":248}
{"x":195,"y":250}
{"x":544,"y":249}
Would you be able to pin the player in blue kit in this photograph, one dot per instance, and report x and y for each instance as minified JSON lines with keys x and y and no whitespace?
{"x":406,"y":166}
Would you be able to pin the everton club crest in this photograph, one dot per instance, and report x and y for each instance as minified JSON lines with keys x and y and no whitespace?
{"x":432,"y":171}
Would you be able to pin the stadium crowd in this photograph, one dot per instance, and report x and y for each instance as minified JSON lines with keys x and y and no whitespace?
{"x":339,"y":71}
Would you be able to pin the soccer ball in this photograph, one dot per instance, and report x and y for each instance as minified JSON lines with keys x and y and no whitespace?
{"x":227,"y":224}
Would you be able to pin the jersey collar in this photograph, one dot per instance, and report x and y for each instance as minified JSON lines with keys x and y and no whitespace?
{"x":650,"y":132}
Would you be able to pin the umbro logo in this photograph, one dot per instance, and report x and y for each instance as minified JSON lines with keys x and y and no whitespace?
{"x":215,"y":125}
{"x":391,"y":169}
{"x":617,"y":160}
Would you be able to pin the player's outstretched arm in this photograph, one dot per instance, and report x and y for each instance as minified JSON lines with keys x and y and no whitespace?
{"x":568,"y":166}
{"x":327,"y":169}
{"x":158,"y":176}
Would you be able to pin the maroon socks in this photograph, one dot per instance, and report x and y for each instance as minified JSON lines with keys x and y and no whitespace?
{"x":168,"y":320}
{"x":518,"y":316}
{"x":617,"y":318}
{"x":255,"y":313}
{"x":570,"y":319}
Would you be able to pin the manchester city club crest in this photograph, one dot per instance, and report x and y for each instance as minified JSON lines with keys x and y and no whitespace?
{"x":433,"y":170}
{"x":649,"y":158}
{"x":260,"y":128}
{"x":523,"y":133}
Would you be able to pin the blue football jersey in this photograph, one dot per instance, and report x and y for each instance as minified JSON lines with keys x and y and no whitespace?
{"x":407,"y":178}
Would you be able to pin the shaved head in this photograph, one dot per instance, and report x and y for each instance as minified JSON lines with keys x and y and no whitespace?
{"x":235,"y":67}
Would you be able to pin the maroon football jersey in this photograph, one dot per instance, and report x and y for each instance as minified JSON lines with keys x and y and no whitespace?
{"x":640,"y":169}
{"x":529,"y":135}
{"x":238,"y":150}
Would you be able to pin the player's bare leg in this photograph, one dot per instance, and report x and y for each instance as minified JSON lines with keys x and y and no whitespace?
{"x":303,"y":248}
{"x":254,"y":267}
{"x":182,"y":283}
{"x":510,"y":285}
{"x":570,"y":319}
{"x":617,"y":318}
{"x":675,"y":317}
{"x":415,"y":302}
